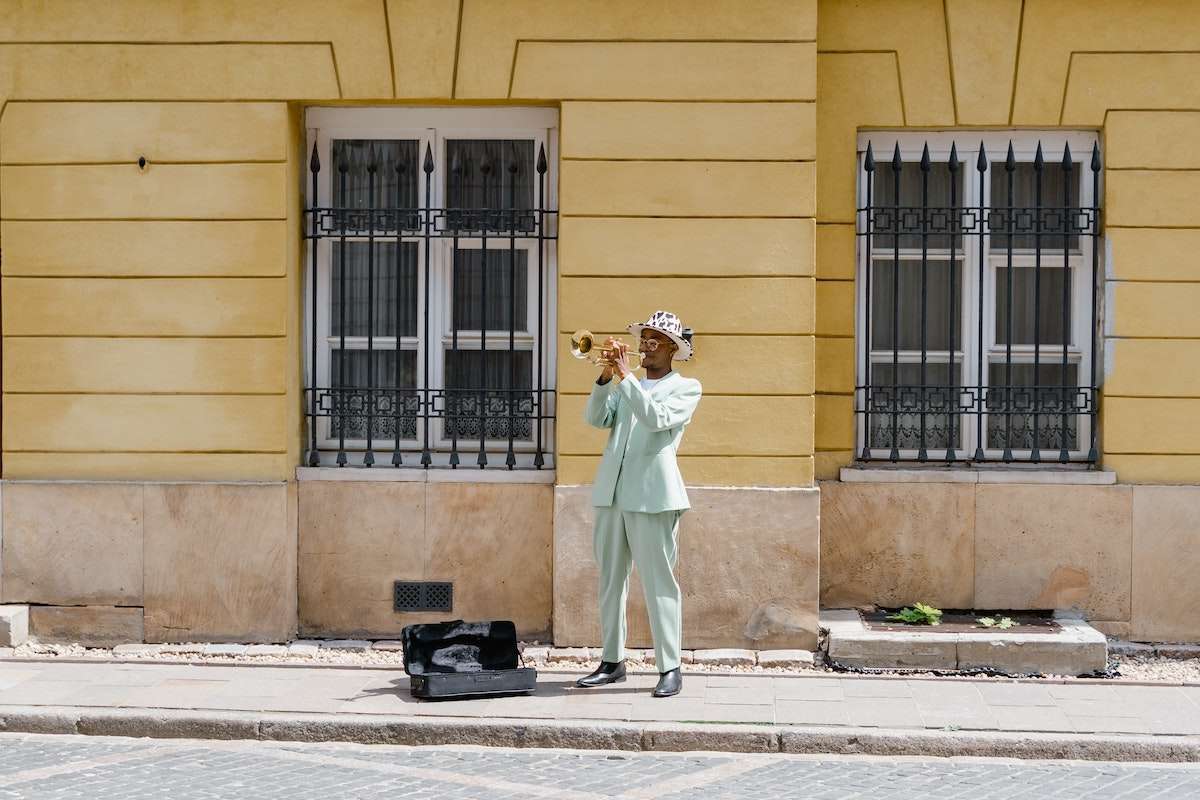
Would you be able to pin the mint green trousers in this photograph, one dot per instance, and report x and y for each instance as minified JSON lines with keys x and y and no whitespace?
{"x":622,"y":539}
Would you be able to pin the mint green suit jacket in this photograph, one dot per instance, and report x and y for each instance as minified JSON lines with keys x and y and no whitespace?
{"x":645,"y":431}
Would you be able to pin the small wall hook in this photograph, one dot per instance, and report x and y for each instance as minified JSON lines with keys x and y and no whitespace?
{"x":142,"y":163}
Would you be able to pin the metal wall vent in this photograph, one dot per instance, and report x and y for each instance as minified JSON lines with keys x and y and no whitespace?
{"x":423,"y":596}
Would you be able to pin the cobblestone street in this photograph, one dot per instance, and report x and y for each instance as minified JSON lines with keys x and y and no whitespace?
{"x":54,"y":767}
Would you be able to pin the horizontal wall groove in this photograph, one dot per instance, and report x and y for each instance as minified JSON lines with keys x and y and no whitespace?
{"x":597,"y":454}
{"x":153,"y":452}
{"x":74,"y":393}
{"x":96,"y":277}
{"x":1151,"y":227}
{"x":703,"y":275}
{"x":659,"y":40}
{"x":677,"y":216}
{"x":149,"y":162}
{"x":706,"y":394}
{"x":148,"y":336}
{"x":160,"y":43}
{"x":1132,"y":281}
{"x":690,"y":160}
{"x":1152,"y":169}
{"x":1111,"y":337}
{"x":568,"y":332}
{"x":143,"y":219}
{"x":643,"y":100}
{"x":1128,"y":396}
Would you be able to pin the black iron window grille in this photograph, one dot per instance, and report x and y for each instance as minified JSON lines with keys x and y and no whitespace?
{"x":978,"y":300}
{"x":430,"y":278}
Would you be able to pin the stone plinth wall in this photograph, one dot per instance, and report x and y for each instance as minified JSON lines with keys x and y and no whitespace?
{"x":1126,"y":556}
{"x":748,"y":562}
{"x":493,"y":540}
{"x":103,"y":563}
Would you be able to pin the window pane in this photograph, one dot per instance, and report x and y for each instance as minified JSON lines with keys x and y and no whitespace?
{"x":1049,"y":316}
{"x":907,"y":401}
{"x":466,"y":187}
{"x":1022,"y":398}
{"x":910,"y":201}
{"x":388,"y":405}
{"x":469,"y":371}
{"x":395,"y":175}
{"x":504,"y":268}
{"x":395,"y":289}
{"x":938,"y":319}
{"x":1024,"y":220}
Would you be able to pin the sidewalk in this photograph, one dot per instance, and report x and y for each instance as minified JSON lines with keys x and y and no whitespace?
{"x":802,"y":713}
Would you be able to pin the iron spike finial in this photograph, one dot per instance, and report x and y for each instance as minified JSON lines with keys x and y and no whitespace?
{"x":1038,"y":160}
{"x":869,"y":161}
{"x":343,"y":163}
{"x":1010,"y":161}
{"x":428,"y":165}
{"x":953,"y":163}
{"x":981,"y":163}
{"x":541,"y":161}
{"x":314,"y":163}
{"x":486,"y":165}
{"x":512,"y":161}
{"x":371,"y":159}
{"x":1096,"y":157}
{"x":1067,"y":163}
{"x":897,"y":162}
{"x":925,"y":163}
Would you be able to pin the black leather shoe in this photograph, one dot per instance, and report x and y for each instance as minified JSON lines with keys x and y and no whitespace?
{"x":669,"y":683}
{"x":608,"y":672}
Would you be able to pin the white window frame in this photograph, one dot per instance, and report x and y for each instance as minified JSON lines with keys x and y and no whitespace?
{"x":1079,"y":351}
{"x":431,"y":127}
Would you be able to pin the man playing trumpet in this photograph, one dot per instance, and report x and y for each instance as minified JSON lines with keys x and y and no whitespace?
{"x":639,"y":494}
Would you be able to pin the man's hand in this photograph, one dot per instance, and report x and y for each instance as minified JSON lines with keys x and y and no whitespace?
{"x":606,"y":374}
{"x":620,"y":359}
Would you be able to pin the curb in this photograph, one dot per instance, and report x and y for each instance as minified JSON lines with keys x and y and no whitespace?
{"x":589,"y":735}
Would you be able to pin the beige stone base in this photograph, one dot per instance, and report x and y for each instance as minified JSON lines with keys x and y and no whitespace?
{"x":1127,"y":556}
{"x":207,"y":561}
{"x":492,"y":540}
{"x":747,"y":567}
{"x":94,"y":626}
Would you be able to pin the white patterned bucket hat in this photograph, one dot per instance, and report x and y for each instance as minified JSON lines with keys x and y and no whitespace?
{"x":668,"y":324}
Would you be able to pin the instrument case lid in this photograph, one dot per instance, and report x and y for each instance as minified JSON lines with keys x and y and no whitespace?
{"x":457,"y":647}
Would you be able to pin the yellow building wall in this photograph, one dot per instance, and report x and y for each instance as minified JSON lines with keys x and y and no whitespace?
{"x":151,"y":317}
{"x":1114,"y":66}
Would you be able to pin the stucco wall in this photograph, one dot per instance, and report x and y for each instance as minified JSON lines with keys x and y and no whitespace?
{"x":1105,"y":66}
{"x":168,"y":298}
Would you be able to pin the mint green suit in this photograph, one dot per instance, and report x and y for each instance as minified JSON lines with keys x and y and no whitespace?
{"x":639,"y":496}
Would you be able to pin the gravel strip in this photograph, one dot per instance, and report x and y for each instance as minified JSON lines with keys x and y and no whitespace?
{"x":1136,"y":667}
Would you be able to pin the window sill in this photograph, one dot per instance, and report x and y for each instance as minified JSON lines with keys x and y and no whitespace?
{"x":419,"y":475}
{"x":1029,"y":475}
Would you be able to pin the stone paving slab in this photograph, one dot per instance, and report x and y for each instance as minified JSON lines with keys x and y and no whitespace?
{"x":855,"y":703}
{"x":118,"y":768}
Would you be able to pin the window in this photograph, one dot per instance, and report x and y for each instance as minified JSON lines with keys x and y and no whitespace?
{"x":977,"y":296}
{"x":431,"y":258}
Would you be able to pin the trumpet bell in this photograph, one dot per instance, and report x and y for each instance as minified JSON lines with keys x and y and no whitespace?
{"x":582,"y":343}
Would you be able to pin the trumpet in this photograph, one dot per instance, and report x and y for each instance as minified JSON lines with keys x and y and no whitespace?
{"x":585,"y":346}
